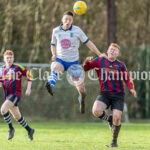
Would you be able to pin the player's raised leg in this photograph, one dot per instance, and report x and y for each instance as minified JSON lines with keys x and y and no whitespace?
{"x":99,"y":109}
{"x":56,"y":68}
{"x":116,"y":127}
{"x":17,"y":116}
{"x":82,"y":94}
{"x":5,"y":112}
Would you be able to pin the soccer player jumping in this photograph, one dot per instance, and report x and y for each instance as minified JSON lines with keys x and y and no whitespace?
{"x":10,"y":78}
{"x":65,"y":43}
{"x":111,"y":73}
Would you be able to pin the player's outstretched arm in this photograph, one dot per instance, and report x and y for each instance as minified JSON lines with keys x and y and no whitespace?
{"x":89,"y":59}
{"x":128,"y":81}
{"x":53,"y":50}
{"x":28,"y":91}
{"x":89,"y":63}
{"x":93,"y":48}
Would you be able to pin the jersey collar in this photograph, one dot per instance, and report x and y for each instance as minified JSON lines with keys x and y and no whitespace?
{"x":6,"y":66}
{"x":60,"y":27}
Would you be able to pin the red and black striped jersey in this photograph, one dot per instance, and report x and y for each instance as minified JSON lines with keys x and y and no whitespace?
{"x":111,"y":75}
{"x":11,"y":79}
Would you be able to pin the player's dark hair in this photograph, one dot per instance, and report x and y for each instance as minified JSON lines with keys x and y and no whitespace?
{"x":68,"y":13}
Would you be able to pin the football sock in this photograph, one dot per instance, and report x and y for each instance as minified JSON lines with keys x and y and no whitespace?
{"x":115,"y":132}
{"x":52,"y":78}
{"x":7,"y":118}
{"x":23,"y":122}
{"x":104,"y":116}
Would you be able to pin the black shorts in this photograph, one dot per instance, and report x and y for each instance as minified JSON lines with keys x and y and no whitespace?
{"x":115,"y":101}
{"x":14,"y":99}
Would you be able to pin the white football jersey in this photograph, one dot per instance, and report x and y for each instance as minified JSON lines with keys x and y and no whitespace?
{"x":67,"y":42}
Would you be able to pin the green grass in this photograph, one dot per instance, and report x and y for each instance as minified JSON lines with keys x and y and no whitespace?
{"x":76,"y":136}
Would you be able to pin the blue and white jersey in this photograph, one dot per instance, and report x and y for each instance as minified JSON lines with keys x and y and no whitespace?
{"x":67,"y":42}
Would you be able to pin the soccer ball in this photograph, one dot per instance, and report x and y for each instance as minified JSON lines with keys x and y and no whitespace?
{"x":80,"y":7}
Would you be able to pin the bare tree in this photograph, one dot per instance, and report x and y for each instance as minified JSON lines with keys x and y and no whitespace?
{"x":111,"y":22}
{"x":7,"y":31}
{"x":147,"y":48}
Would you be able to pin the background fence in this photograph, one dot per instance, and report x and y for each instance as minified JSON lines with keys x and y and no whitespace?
{"x":64,"y":104}
{"x":26,"y":27}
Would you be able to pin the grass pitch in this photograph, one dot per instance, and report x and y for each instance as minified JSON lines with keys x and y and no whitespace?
{"x":76,"y":136}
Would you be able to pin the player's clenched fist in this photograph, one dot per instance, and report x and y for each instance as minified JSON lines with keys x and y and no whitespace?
{"x":89,"y":59}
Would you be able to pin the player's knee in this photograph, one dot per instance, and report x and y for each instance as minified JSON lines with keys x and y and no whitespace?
{"x":82,"y":90}
{"x":53,"y":66}
{"x":57,"y":67}
{"x":17,"y":117}
{"x":96,"y":112}
{"x":3,"y":111}
{"x":116,"y":119}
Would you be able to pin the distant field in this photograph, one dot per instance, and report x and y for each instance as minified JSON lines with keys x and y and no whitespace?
{"x":76,"y":136}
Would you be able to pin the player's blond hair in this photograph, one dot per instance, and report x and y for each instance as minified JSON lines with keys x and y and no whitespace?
{"x":115,"y":45}
{"x":8,"y":52}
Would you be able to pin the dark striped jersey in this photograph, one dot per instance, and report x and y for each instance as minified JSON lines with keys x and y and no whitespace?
{"x":11,"y":79}
{"x":111,"y":75}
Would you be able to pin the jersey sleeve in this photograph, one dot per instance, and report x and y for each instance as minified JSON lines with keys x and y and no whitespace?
{"x":127,"y":79}
{"x":25,"y":72}
{"x":91,"y":65}
{"x":0,"y":74}
{"x":84,"y":39}
{"x":53,"y":40}
{"x":28,"y":75}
